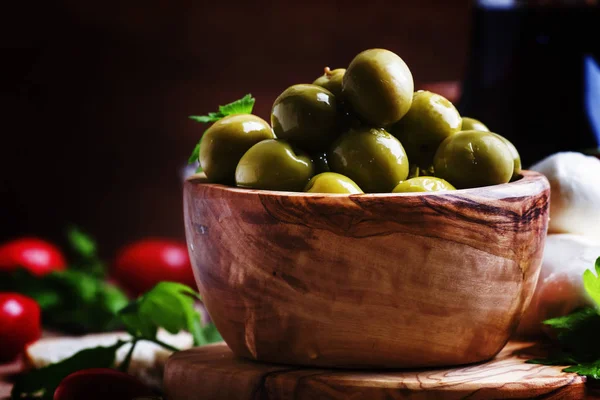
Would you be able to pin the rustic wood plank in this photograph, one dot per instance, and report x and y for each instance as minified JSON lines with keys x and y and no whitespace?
{"x":213,"y":372}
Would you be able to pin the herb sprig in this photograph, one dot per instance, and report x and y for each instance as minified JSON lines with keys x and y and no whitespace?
{"x":241,"y":106}
{"x":76,"y":300}
{"x":577,"y":334}
{"x":168,"y":305}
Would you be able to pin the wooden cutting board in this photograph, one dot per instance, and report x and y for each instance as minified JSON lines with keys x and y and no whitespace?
{"x":213,"y":372}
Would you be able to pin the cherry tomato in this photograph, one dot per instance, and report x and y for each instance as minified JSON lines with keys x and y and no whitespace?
{"x":142,"y":264}
{"x":19,"y":324}
{"x":101,"y":384}
{"x":38,"y":256}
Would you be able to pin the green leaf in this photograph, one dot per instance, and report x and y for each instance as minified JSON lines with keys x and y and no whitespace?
{"x":71,"y":301}
{"x":85,"y":254}
{"x":195,"y":154}
{"x":82,"y":243}
{"x":210,"y":334}
{"x":205,"y":119}
{"x":169,"y":305}
{"x":590,"y":370}
{"x":241,"y":106}
{"x":558,"y":358}
{"x":572,"y":321}
{"x":591,"y":283}
{"x":46,"y":380}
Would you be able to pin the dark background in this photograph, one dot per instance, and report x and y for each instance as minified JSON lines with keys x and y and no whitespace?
{"x":95,"y":95}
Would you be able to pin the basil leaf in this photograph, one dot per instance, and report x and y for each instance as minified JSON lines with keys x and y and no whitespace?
{"x":45,"y":380}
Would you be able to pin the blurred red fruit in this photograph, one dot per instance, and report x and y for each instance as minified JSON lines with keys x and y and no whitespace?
{"x":142,"y":264}
{"x":37,"y":256}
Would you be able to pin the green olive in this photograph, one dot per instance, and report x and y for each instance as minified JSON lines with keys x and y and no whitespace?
{"x":515,"y":155}
{"x":423,"y":184}
{"x":379,"y":87}
{"x":430,"y":120}
{"x":330,"y":182}
{"x":307,"y":117}
{"x":332,"y":81}
{"x":371,"y":157}
{"x":320,"y":162}
{"x":226,"y":141}
{"x":274,"y":165}
{"x":472,"y":124}
{"x":513,"y":151}
{"x":472,"y":159}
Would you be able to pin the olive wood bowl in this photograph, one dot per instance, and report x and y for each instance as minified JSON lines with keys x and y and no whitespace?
{"x":369,"y":280}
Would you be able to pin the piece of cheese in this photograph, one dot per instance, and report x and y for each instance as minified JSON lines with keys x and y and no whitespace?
{"x":560,"y":289}
{"x":147,"y":362}
{"x":574,"y":192}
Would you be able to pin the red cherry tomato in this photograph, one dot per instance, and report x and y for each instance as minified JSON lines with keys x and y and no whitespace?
{"x":101,"y":384}
{"x":36,"y":255}
{"x":142,"y":264}
{"x":19,"y":324}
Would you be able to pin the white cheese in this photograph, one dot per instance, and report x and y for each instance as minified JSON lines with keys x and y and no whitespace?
{"x":574,"y":194}
{"x":148,"y":359}
{"x":560,"y":288}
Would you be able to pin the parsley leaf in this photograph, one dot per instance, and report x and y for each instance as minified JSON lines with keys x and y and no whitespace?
{"x":591,"y":283}
{"x":557,"y":358}
{"x":572,"y":321}
{"x":47,"y":379}
{"x":206,"y":119}
{"x":591,"y":370}
{"x":195,"y":153}
{"x":82,"y":243}
{"x":577,"y":334}
{"x":85,"y":254}
{"x":169,"y":305}
{"x":71,"y":301}
{"x":210,"y":334}
{"x":241,"y":106}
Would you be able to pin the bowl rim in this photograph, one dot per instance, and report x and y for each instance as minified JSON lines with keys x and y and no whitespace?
{"x":526,"y":177}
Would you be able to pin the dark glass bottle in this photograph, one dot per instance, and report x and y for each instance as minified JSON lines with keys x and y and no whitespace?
{"x":533,"y":74}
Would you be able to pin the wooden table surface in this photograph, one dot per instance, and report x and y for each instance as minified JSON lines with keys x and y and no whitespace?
{"x":497,"y":376}
{"x":213,"y":372}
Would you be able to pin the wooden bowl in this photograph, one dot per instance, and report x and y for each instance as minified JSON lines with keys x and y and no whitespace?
{"x":371,"y":280}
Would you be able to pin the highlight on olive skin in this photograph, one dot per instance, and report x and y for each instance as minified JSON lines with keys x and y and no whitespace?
{"x":226,"y":141}
{"x":371,"y":157}
{"x":423,"y":184}
{"x":332,"y":81}
{"x":331,"y":182}
{"x":379,"y":87}
{"x":306,"y":116}
{"x":471,"y":159}
{"x":274,"y":165}
{"x":472,"y":124}
{"x":430,"y":120}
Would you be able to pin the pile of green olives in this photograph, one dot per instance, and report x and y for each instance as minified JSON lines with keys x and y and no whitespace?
{"x":362,"y":129}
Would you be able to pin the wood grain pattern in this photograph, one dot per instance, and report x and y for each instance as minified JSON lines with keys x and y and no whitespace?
{"x":213,"y":372}
{"x":376,"y":280}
